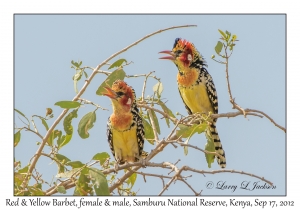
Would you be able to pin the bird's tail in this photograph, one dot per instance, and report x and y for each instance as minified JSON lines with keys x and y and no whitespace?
{"x":212,"y":131}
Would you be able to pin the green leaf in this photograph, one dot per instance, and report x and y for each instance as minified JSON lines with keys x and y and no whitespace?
{"x":99,"y":181}
{"x":101,"y":157}
{"x":185,"y":148}
{"x":67,"y":104}
{"x":167,"y":111}
{"x":209,"y":146}
{"x":68,"y":120}
{"x":183,"y":131}
{"x":148,"y":132}
{"x":75,"y":164}
{"x":76,"y":64}
{"x":61,"y":158}
{"x":23,"y":170}
{"x":85,"y":124}
{"x":117,"y":74}
{"x":218,"y":47}
{"x":85,"y":74}
{"x":17,"y":138}
{"x":131,"y":180}
{"x":67,"y":174}
{"x":156,"y":124}
{"x":50,"y":139}
{"x":117,"y":63}
{"x":234,"y":38}
{"x":60,"y":140}
{"x":45,"y":123}
{"x":57,"y":133}
{"x":18,"y":178}
{"x":61,"y":189}
{"x":158,"y":89}
{"x":189,"y":131}
{"x":82,"y":184}
{"x":22,"y":115}
{"x":76,"y":78}
{"x":35,"y":191}
{"x":228,"y":35}
{"x":64,"y":140}
{"x":222,"y":33}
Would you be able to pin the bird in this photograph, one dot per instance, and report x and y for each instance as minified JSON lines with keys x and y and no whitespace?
{"x":196,"y":87}
{"x":125,"y":130}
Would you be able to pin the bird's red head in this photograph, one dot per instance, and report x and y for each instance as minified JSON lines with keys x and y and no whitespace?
{"x":121,"y":93}
{"x":182,"y":54}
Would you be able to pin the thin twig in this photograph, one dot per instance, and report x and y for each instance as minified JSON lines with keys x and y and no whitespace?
{"x":36,"y":130}
{"x":187,"y":168}
{"x":28,"y":129}
{"x":267,"y":116}
{"x":169,"y":183}
{"x":196,"y":194}
{"x":90,"y":102}
{"x":157,"y":110}
{"x":144,"y":85}
{"x":197,"y":148}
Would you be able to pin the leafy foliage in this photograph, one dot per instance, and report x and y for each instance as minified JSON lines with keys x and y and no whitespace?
{"x":68,"y":104}
{"x":85,"y":124}
{"x":209,"y":146}
{"x":117,"y":63}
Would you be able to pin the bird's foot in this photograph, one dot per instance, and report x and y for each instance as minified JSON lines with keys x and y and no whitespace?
{"x":116,"y":167}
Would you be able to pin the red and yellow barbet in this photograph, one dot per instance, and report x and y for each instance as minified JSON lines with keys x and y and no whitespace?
{"x":125,"y":130}
{"x":196,"y":87}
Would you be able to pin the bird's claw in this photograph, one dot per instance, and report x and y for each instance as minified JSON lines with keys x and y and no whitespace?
{"x":116,"y":167}
{"x":143,"y":161}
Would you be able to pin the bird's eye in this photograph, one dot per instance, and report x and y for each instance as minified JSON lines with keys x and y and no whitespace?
{"x":178,"y":52}
{"x":120,"y":93}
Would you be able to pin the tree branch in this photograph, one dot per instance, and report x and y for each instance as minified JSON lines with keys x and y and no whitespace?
{"x":87,"y":82}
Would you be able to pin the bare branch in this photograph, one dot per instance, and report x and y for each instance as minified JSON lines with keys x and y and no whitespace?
{"x":267,"y":116}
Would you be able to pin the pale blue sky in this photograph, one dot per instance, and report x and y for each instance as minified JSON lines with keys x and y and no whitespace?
{"x":46,"y":44}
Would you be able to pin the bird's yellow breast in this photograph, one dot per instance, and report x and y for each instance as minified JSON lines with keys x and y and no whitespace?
{"x":196,"y":98}
{"x":125,"y":144}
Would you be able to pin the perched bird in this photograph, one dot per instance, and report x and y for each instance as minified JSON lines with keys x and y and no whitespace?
{"x":196,"y":87}
{"x":125,"y":130}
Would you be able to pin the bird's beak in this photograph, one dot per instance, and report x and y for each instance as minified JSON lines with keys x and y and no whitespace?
{"x":110,"y":93}
{"x":172,"y":57}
